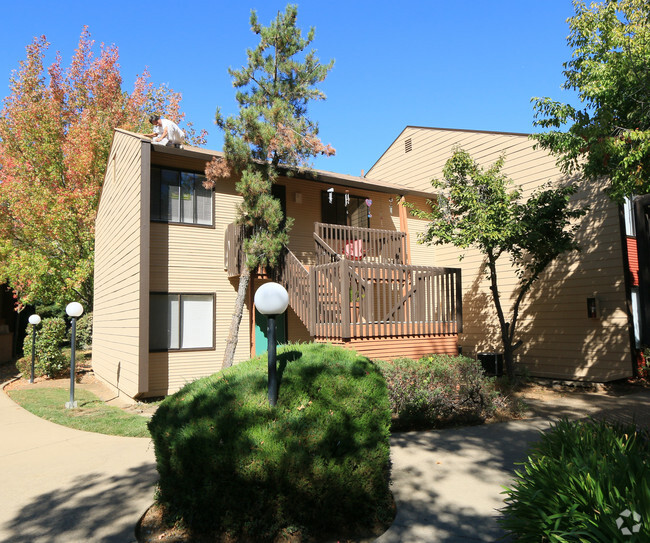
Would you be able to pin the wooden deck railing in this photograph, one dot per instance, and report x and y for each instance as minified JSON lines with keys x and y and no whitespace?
{"x":342,"y":298}
{"x":296,"y":280}
{"x":233,"y":250}
{"x":367,"y":244}
{"x":364,"y":299}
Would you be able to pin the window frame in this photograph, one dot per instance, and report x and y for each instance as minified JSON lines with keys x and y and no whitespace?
{"x":179,"y":171}
{"x":180,"y":322}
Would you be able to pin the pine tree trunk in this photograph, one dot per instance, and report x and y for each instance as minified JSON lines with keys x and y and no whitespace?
{"x":233,"y":334}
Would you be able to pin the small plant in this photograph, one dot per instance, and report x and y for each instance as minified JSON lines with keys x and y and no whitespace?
{"x":644,"y":363}
{"x":50,"y":360}
{"x":584,"y":481}
{"x":438,"y":390}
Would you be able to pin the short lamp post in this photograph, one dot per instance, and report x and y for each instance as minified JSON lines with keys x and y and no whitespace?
{"x":34,"y":320}
{"x":271,"y":299}
{"x":74,"y":311}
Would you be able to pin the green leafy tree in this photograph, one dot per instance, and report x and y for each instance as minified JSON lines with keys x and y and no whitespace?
{"x":56,"y":129}
{"x":478,"y":208}
{"x":609,"y":135}
{"x":272,"y":133}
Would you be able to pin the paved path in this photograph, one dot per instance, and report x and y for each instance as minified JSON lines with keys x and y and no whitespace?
{"x":448,"y":483}
{"x":64,"y":485}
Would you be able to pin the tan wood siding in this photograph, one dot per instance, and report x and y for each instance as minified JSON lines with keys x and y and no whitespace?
{"x":189,"y":259}
{"x":409,"y":347}
{"x":559,"y":339}
{"x":121,"y":252}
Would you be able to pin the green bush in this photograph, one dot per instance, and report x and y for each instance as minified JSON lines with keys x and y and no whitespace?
{"x":577,"y":481}
{"x":85,"y":331}
{"x":317,"y":462}
{"x":437,"y":391}
{"x":50,"y":360}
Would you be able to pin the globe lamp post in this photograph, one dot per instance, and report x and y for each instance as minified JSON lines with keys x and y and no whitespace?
{"x":74,"y":311}
{"x":271,"y":299}
{"x":34,"y":320}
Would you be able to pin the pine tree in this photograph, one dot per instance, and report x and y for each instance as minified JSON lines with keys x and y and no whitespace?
{"x":271,"y":134}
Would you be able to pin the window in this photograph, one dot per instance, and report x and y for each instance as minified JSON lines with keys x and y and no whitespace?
{"x":181,"y":321}
{"x":356,"y":213}
{"x":179,"y":197}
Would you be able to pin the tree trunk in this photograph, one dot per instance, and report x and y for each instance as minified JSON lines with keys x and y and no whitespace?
{"x":508,"y":360}
{"x":233,"y":334}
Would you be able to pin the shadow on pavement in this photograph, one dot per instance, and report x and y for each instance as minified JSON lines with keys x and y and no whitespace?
{"x":94,"y":508}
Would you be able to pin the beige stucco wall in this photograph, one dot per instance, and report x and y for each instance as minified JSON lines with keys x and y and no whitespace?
{"x":559,"y":340}
{"x":120,"y":336}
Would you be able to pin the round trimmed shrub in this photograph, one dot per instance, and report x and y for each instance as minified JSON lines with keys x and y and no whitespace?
{"x":50,"y":360}
{"x":318,"y":461}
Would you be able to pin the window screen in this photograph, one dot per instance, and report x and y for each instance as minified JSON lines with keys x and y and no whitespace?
{"x":181,"y":321}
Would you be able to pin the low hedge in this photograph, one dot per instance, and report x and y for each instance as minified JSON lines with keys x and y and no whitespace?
{"x":50,"y":360}
{"x":438,"y":391}
{"x":585,"y":481}
{"x":316,"y":463}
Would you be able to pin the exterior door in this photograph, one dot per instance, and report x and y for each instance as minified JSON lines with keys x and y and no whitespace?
{"x":261,"y":323}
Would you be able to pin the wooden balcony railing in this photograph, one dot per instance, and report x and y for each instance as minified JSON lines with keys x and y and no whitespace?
{"x":233,"y":250}
{"x":342,"y":297}
{"x":365,"y":299}
{"x":367,"y":244}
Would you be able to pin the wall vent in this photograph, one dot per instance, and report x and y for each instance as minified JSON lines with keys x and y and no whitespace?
{"x":408,"y":145}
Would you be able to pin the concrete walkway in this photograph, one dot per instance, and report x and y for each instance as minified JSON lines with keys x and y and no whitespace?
{"x":64,"y":485}
{"x":448,"y":483}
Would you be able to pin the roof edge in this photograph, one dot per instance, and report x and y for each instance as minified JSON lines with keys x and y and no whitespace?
{"x":468,"y":130}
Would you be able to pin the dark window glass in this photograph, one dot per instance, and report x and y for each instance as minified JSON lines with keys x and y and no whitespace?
{"x":179,"y":197}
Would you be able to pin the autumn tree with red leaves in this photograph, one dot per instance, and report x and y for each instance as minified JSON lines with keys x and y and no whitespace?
{"x":271,"y":132}
{"x":56,"y":129}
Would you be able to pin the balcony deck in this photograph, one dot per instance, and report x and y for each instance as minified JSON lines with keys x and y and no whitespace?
{"x":360,"y":289}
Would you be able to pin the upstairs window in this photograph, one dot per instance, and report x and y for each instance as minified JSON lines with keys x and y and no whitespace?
{"x":179,"y":197}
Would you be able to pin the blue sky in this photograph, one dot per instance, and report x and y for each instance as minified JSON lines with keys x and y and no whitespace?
{"x":471,"y":64}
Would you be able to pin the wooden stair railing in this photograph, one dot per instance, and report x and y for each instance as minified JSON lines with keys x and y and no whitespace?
{"x":298,"y":282}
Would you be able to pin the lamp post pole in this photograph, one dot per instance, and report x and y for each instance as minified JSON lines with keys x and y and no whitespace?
{"x":73,"y":310}
{"x":34,"y":320}
{"x":271,"y":299}
{"x":273,"y":378}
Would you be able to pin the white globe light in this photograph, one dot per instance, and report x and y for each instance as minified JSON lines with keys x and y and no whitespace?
{"x":74,"y":309}
{"x":271,"y":299}
{"x":34,"y":320}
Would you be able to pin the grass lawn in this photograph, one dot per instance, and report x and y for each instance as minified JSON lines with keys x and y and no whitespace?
{"x":91,"y":415}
